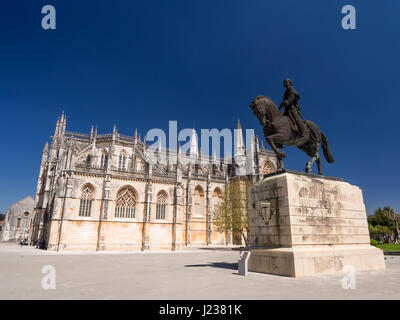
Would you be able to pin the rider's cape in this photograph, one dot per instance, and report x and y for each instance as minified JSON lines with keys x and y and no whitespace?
{"x":293,"y":91}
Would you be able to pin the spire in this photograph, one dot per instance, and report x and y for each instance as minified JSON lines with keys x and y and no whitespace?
{"x":63,"y":122}
{"x":253,"y":143}
{"x":93,"y":138}
{"x":239,"y":148}
{"x":193,"y":144}
{"x":91,"y":133}
{"x":178,"y":166}
{"x":257,"y":144}
{"x":159,"y":156}
{"x":114,"y":134}
{"x":45,"y":153}
{"x":239,"y":152}
{"x":250,"y":156}
{"x":133,"y":162}
{"x":135,"y":138}
{"x":46,"y":148}
{"x":56,"y":131}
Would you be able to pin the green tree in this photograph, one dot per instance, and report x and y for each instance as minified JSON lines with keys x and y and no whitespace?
{"x":232,"y":212}
{"x":380,"y":217}
{"x":379,"y":233}
{"x":383,"y":224}
{"x":394,"y":218}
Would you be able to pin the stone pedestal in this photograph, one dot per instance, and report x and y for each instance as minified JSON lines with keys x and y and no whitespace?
{"x":303,"y":225}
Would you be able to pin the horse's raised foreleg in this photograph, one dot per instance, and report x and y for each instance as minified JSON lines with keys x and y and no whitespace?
{"x":309,"y":164}
{"x":270,"y":140}
{"x":279,"y":154}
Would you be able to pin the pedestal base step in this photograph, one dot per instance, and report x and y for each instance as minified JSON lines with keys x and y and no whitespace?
{"x":303,"y":261}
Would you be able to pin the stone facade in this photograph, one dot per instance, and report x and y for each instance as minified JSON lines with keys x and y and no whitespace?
{"x":304,"y":224}
{"x":103,"y":192}
{"x":18,"y":220}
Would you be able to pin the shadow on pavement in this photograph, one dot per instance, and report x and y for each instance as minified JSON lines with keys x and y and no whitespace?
{"x":223,"y":265}
{"x":222,"y":248}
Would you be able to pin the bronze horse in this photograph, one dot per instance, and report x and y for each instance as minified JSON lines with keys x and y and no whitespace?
{"x":278,"y":132}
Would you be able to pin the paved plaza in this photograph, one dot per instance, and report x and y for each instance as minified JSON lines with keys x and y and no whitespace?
{"x":189,"y":274}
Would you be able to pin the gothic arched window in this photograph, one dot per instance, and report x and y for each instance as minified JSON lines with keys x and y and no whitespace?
{"x":216,"y":197}
{"x":85,"y":206}
{"x":267,"y":167}
{"x":126,"y":203}
{"x":198,"y":202}
{"x":161,"y":205}
{"x":104,"y":160}
{"x":121,"y":162}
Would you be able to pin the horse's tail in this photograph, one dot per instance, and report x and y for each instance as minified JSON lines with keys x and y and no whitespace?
{"x":326,"y":149}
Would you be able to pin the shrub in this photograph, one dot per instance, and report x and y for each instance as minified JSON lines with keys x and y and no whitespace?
{"x":379,"y":233}
{"x":374,"y":242}
{"x":380,"y":217}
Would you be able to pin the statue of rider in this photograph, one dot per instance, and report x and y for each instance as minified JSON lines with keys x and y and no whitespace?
{"x":292,"y":108}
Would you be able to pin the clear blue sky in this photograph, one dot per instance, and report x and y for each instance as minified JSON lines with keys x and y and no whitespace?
{"x":142,"y":63}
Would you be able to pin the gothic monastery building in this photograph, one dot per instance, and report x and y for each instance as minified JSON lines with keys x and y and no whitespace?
{"x":104,"y":192}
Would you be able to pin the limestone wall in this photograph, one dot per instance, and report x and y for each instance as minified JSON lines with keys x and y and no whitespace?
{"x":70,"y":231}
{"x":18,"y":220}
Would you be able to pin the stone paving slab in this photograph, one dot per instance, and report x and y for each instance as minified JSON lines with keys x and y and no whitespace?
{"x":188,"y":274}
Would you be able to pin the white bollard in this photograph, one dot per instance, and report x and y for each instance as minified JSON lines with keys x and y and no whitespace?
{"x":243,"y":262}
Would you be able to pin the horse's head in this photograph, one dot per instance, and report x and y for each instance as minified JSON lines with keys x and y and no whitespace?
{"x":264,"y":108}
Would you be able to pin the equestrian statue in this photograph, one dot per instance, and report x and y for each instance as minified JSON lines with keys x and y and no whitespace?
{"x":290,"y":128}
